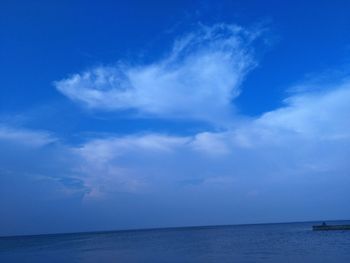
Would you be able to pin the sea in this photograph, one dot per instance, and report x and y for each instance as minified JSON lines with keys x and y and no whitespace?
{"x":285,"y":242}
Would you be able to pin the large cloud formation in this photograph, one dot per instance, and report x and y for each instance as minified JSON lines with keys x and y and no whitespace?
{"x":197,"y":79}
{"x":310,"y":136}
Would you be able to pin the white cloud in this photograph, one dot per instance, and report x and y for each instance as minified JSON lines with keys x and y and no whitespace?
{"x":320,"y":115}
{"x":212,"y":143}
{"x":121,"y":163}
{"x":198,"y":79}
{"x":102,"y":150}
{"x":25,"y":136}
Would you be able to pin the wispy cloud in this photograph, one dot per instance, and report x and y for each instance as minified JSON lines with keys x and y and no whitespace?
{"x":40,"y":157}
{"x":204,"y":66}
{"x":25,"y":136}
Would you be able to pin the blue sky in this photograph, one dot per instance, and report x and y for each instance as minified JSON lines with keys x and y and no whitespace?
{"x":137,"y":114}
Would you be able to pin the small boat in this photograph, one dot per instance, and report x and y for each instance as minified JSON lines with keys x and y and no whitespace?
{"x":325,"y":227}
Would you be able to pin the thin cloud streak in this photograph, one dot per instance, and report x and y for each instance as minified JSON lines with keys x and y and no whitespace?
{"x":25,"y":136}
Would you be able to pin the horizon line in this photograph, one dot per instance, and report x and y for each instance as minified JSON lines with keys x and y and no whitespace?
{"x":162,"y":228}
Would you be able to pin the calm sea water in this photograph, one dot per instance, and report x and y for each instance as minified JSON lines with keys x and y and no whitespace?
{"x":294,"y":242}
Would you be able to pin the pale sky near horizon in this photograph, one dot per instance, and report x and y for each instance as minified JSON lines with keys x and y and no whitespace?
{"x":150,"y":114}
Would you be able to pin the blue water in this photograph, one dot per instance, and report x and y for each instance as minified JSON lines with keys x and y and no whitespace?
{"x":294,"y":242}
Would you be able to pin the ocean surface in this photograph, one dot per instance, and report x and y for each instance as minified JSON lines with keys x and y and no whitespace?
{"x":292,"y":242}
